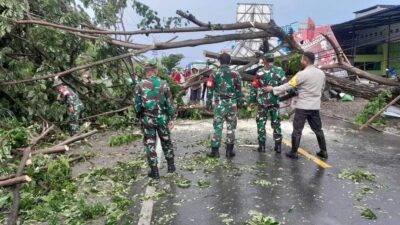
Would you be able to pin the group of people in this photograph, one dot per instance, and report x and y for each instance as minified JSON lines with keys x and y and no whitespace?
{"x":154,"y":106}
{"x":197,"y":92}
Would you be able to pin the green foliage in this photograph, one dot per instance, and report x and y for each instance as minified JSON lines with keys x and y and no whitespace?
{"x":183,"y":182}
{"x":114,"y":122}
{"x":89,"y":212}
{"x":204,"y":183}
{"x":292,"y":65}
{"x":123,"y":139}
{"x":191,"y":114}
{"x":176,"y":90}
{"x":58,"y":174}
{"x":10,"y":10}
{"x":33,"y":51}
{"x":262,"y":183}
{"x":368,"y":214}
{"x":363,"y":192}
{"x":258,"y":218}
{"x":357,"y":175}
{"x":171,"y":61}
{"x":247,"y":112}
{"x":373,"y":107}
{"x":53,"y":196}
{"x":12,"y":135}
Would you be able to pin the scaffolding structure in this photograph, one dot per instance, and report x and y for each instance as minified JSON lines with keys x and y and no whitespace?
{"x":250,"y":12}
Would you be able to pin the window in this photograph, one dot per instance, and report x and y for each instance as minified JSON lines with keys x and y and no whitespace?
{"x":368,"y":50}
{"x":359,"y":65}
{"x":368,"y":65}
{"x":372,"y":65}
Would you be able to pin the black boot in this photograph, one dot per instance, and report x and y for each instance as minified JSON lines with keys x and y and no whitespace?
{"x":261,"y":146}
{"x":322,"y":147}
{"x":295,"y":145}
{"x":278,"y":147}
{"x":153,"y":173}
{"x":171,"y":165}
{"x":214,"y":153}
{"x":229,"y":151}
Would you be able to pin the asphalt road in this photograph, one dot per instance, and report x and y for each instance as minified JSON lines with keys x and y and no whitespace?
{"x":292,"y":191}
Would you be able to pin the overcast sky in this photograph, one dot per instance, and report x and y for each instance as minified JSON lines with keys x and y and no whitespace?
{"x":224,"y":11}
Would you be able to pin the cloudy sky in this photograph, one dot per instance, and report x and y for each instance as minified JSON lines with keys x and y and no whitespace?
{"x":224,"y":11}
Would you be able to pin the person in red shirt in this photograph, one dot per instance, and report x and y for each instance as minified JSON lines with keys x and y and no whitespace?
{"x":177,"y":76}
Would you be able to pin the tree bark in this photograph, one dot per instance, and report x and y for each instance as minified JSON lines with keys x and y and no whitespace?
{"x":15,"y":180}
{"x":204,"y":27}
{"x":361,"y":73}
{"x":77,"y":138}
{"x":358,"y":89}
{"x":52,"y":150}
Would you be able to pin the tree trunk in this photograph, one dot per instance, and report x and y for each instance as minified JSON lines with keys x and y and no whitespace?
{"x":357,"y":89}
{"x":15,"y":180}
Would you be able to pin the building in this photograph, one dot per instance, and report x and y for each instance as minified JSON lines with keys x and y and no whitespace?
{"x":371,"y":41}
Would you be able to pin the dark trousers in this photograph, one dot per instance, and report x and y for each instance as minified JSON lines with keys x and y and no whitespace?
{"x":195,"y":95}
{"x":314,"y":120}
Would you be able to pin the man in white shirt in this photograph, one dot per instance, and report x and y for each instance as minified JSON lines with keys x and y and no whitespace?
{"x":310,"y":84}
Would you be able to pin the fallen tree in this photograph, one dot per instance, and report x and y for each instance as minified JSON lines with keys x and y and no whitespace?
{"x":345,"y":65}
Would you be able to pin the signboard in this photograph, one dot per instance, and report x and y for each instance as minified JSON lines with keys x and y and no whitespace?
{"x":311,"y":39}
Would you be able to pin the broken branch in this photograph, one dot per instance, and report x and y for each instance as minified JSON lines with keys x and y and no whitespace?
{"x":77,"y":138}
{"x":15,"y":180}
{"x":379,"y":113}
{"x":52,"y":150}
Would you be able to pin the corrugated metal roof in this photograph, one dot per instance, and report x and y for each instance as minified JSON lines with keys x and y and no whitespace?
{"x":380,"y":18}
{"x":374,"y":7}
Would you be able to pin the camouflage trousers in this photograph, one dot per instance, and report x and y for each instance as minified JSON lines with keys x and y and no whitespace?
{"x":261,"y":119}
{"x":152,"y":127}
{"x":74,"y":117}
{"x":225,"y":110}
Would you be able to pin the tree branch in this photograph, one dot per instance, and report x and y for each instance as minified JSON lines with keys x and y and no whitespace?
{"x":192,"y":18}
{"x":66,"y":72}
{"x":231,"y":26}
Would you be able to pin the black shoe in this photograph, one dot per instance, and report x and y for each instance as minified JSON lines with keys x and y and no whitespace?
{"x":292,"y":155}
{"x":229,"y":151}
{"x":323,"y":154}
{"x":214,"y":153}
{"x":261,"y":146}
{"x":171,"y":165}
{"x":278,"y":147}
{"x":153,"y":173}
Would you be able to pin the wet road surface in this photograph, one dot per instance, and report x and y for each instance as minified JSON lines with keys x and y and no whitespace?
{"x":292,"y":191}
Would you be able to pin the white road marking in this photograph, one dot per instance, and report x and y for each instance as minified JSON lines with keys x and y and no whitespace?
{"x":147,"y":206}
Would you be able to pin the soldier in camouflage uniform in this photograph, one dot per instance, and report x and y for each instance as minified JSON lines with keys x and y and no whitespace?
{"x":154,"y":106}
{"x":225,"y":87}
{"x":267,"y":103}
{"x":74,"y":104}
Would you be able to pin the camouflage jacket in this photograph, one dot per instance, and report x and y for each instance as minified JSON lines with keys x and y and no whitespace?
{"x":224,"y":85}
{"x":153,"y":98}
{"x":71,"y":99}
{"x":274,"y":76}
